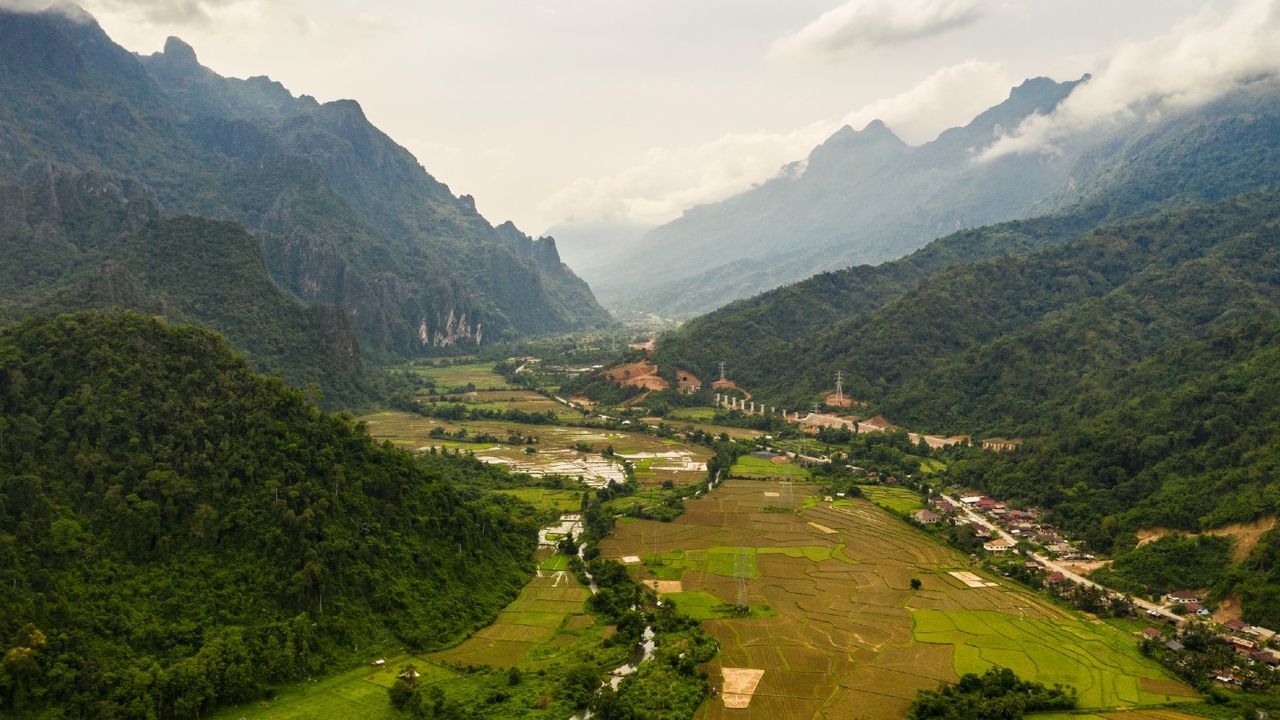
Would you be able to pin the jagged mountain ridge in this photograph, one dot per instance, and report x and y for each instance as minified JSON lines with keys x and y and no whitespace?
{"x":860,"y":197}
{"x":344,"y":215}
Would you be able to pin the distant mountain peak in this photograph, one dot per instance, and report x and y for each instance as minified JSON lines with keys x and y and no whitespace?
{"x":178,"y":51}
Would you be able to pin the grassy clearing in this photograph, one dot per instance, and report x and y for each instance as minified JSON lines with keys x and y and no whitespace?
{"x":696,"y":414}
{"x":899,"y":500}
{"x":759,"y":468}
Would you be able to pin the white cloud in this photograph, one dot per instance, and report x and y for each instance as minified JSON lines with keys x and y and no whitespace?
{"x":667,"y":181}
{"x":859,"y":23}
{"x":1198,"y":60}
{"x":951,"y":96}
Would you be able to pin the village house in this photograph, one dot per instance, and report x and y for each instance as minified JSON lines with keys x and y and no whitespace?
{"x":998,"y":546}
{"x":925,"y":517}
{"x":1183,"y":597}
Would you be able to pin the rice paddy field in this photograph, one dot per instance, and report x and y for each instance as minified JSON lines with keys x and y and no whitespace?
{"x":656,"y":460}
{"x":899,"y":500}
{"x":733,"y":432}
{"x":546,"y":622}
{"x":749,"y":466}
{"x":525,"y":400}
{"x":837,"y":629}
{"x":447,"y":377}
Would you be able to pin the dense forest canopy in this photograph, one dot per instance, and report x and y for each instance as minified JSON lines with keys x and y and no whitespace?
{"x":177,"y":531}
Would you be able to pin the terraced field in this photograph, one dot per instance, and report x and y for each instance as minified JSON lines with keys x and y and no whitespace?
{"x":899,"y":500}
{"x":539,"y":626}
{"x":843,"y":635}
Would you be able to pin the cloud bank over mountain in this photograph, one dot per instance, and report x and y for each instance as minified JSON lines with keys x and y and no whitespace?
{"x":1198,"y":60}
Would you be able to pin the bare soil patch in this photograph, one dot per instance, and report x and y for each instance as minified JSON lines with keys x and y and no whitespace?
{"x":1246,"y":535}
{"x":663,"y":587}
{"x":739,"y":685}
{"x":641,"y":374}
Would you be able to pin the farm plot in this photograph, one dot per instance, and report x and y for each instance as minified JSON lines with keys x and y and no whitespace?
{"x":559,"y":449}
{"x":479,"y":376}
{"x":842,"y":637}
{"x":541,"y":624}
{"x":523,"y":400}
{"x":899,"y":500}
{"x":749,"y":466}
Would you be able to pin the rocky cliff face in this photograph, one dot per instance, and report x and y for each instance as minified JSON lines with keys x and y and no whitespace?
{"x":343,"y":214}
{"x":71,"y":240}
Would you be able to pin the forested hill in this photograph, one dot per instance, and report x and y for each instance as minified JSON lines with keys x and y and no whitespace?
{"x":177,"y":531}
{"x":72,"y":240}
{"x":995,"y":347}
{"x":345,"y":216}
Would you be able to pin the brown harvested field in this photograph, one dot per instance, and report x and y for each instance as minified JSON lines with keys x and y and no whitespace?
{"x":1246,"y":535}
{"x":838,"y":634}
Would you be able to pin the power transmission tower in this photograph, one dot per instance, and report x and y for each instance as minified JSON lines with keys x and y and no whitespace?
{"x":722,"y":378}
{"x":840,"y":388}
{"x":740,"y":572}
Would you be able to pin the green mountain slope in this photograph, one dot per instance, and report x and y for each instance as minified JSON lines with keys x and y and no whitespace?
{"x":988,"y":346}
{"x":82,"y":240}
{"x":177,"y":531}
{"x":345,"y":216}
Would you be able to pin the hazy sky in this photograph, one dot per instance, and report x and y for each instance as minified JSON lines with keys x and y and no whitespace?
{"x":635,"y":109}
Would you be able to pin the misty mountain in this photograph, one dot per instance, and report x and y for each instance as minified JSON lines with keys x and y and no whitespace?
{"x":343,"y":214}
{"x":860,"y":197}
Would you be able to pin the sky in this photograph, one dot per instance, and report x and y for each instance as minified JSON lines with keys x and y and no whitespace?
{"x":631,"y":111}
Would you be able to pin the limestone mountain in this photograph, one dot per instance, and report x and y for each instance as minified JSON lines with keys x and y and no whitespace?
{"x":862,"y":196}
{"x":344,"y":215}
{"x":74,"y":240}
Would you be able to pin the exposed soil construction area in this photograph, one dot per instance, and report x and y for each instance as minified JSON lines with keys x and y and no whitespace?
{"x":723,"y":385}
{"x":641,"y":374}
{"x":1245,"y":535}
{"x":835,"y":630}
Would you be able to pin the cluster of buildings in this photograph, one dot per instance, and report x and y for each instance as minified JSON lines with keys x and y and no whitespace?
{"x":1023,"y":524}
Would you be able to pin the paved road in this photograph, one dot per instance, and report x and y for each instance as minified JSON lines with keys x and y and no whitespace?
{"x":1057,"y":567}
